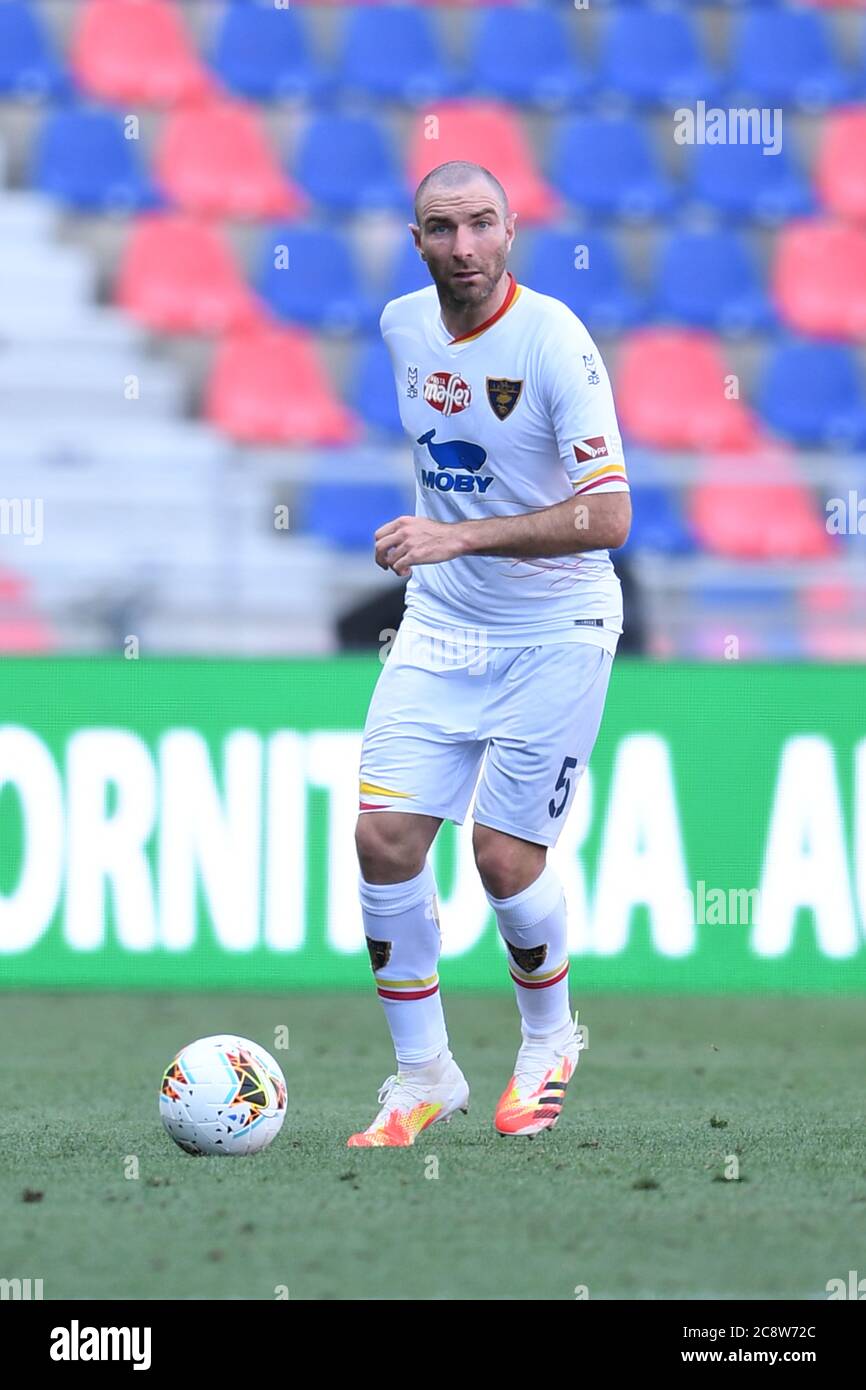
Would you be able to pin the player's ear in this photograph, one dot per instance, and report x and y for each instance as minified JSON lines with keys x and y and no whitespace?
{"x":416,"y":237}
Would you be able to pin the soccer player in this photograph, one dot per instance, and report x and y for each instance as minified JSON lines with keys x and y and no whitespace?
{"x":502,"y":660}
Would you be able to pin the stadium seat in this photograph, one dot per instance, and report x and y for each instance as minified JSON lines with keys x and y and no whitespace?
{"x":375,"y":396}
{"x":819,"y":279}
{"x":657,"y":522}
{"x":655,"y":56}
{"x":783,"y":55}
{"x":812,"y":394}
{"x":709,"y":280}
{"x":739,"y":180}
{"x":315,"y":280}
{"x":607,"y":166}
{"x":268,"y":386}
{"x":408,"y":271}
{"x":672,"y":392}
{"x":214,"y":159}
{"x":394,"y":54}
{"x":264,"y":54}
{"x":840,"y":172}
{"x":529,"y":59}
{"x":29,"y":68}
{"x":833,"y":620}
{"x":584,"y":271}
{"x":347,"y":164}
{"x":489,"y":134}
{"x":759,"y":521}
{"x":178,"y":275}
{"x":136,"y":51}
{"x":82,"y":158}
{"x":349,"y":514}
{"x":22,"y":629}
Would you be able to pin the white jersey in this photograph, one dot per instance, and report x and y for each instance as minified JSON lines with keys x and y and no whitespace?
{"x":507,"y":419}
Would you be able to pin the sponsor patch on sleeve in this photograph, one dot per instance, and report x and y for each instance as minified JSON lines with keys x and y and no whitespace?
{"x":605,"y":451}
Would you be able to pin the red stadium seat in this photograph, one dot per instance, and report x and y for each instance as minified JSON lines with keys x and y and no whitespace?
{"x":214,"y":159}
{"x":178,"y":275}
{"x":136,"y":51}
{"x":673,"y":392}
{"x":840,"y":173}
{"x":21,"y":630}
{"x":833,"y":622}
{"x":268,"y":387}
{"x":819,"y":279}
{"x":488,"y":134}
{"x":772,"y":518}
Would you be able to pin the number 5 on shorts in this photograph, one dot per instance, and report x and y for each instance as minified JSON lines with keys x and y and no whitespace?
{"x":563,"y":784}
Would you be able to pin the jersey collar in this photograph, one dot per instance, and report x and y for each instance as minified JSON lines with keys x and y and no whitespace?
{"x":512,"y":294}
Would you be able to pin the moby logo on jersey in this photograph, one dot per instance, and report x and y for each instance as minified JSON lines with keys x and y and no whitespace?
{"x":458,"y":454}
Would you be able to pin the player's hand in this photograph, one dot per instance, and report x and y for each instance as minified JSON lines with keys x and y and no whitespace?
{"x":415,"y":540}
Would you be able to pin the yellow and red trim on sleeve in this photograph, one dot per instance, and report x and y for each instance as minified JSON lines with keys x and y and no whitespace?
{"x":608,"y":473}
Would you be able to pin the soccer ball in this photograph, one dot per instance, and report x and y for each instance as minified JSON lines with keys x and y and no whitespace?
{"x":223,"y":1095}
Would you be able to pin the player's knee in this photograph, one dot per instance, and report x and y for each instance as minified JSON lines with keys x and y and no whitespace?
{"x":387,"y":852}
{"x":506,"y":866}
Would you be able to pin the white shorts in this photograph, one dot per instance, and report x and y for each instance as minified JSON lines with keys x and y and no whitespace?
{"x":526,"y":718}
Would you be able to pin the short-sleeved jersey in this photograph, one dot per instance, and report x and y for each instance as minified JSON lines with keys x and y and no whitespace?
{"x":507,"y":419}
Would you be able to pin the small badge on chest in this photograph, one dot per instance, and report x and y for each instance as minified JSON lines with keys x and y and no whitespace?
{"x":503,"y":395}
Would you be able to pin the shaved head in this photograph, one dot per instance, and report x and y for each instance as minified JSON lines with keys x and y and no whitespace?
{"x":455,"y":174}
{"x":463,"y":232}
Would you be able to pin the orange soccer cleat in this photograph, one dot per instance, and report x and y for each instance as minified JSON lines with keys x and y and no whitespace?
{"x":532,"y":1100}
{"x":411,"y":1102}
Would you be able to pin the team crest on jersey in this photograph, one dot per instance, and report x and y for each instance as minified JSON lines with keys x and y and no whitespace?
{"x":447,"y":392}
{"x":503,"y":395}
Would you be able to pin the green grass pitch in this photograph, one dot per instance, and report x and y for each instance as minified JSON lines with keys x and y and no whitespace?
{"x":627,"y":1197}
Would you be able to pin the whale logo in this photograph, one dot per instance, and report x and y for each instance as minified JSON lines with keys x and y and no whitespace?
{"x":454,"y":453}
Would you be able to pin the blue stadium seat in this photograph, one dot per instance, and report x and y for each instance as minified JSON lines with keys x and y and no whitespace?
{"x":320,"y":285}
{"x":786,"y":56}
{"x":606,"y":165}
{"x":812,"y":393}
{"x":348,"y":164}
{"x":265,"y":54}
{"x":655,"y":56}
{"x":374,"y":396}
{"x":394,"y":54}
{"x":408,"y":273}
{"x":527,"y":56}
{"x":348,"y":514}
{"x":585,"y":272}
{"x":82,"y":157}
{"x":710,"y":280}
{"x":739,"y":180}
{"x":657,"y":522}
{"x":28,"y":66}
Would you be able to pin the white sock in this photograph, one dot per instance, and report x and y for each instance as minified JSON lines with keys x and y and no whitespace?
{"x":533,"y":926}
{"x":401,"y":923}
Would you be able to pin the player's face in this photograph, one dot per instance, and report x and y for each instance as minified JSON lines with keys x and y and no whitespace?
{"x":465,"y":241}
